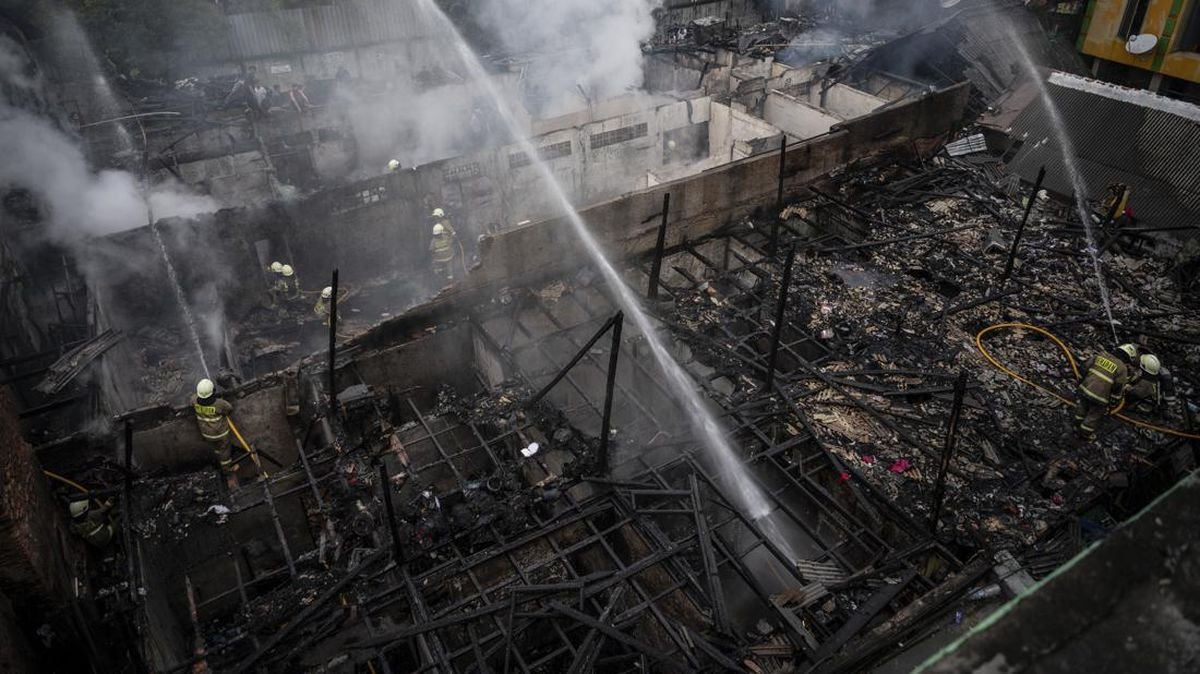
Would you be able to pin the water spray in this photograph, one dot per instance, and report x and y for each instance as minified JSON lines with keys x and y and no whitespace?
{"x":742,"y":488}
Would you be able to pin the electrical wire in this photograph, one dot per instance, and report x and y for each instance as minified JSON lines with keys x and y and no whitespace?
{"x":1074,"y":368}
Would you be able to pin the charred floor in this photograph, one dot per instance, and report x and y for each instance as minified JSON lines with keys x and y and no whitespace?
{"x":455,"y":508}
{"x":831,"y":231}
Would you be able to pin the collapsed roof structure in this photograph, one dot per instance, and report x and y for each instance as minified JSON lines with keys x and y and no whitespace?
{"x":498,"y":474}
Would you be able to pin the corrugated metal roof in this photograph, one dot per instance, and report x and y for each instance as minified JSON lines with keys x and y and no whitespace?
{"x":324,"y":28}
{"x":1117,"y":139}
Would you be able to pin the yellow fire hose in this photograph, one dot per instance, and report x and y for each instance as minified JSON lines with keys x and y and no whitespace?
{"x":249,"y":450}
{"x":60,"y":478}
{"x":1074,"y":368}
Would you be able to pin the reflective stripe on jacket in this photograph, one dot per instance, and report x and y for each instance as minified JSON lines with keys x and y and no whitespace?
{"x":1105,"y":379}
{"x":442,"y":248}
{"x":212,"y":418}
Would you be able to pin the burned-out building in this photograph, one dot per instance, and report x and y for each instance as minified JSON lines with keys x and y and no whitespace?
{"x":763,"y":363}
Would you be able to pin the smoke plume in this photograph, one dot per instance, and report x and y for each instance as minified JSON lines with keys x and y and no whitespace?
{"x":575,"y":48}
{"x":41,"y":157}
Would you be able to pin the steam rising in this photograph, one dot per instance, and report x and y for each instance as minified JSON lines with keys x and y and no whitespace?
{"x":40,"y":156}
{"x":575,"y":47}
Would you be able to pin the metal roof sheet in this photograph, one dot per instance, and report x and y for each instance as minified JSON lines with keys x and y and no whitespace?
{"x":323,"y":28}
{"x":1118,"y":136}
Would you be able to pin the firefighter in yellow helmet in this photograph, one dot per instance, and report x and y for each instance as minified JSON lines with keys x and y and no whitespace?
{"x":1103,"y":385}
{"x":290,"y":284}
{"x":93,"y":525}
{"x":442,"y":248}
{"x":212,"y":417}
{"x":322,"y":307}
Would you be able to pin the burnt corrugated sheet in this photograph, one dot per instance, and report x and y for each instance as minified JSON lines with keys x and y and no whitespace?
{"x":1155,"y":153}
{"x":325,"y":28}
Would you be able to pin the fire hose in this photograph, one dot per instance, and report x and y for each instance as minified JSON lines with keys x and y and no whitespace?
{"x":1074,"y":368}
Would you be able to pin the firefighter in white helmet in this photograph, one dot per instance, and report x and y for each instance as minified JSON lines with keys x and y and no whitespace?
{"x":393,"y":166}
{"x":274,"y":296}
{"x":442,"y":250}
{"x":1153,"y":386}
{"x":212,"y":417}
{"x":322,"y":307}
{"x":93,"y":525}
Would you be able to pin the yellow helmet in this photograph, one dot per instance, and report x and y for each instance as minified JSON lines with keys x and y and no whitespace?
{"x":277,"y":266}
{"x":1130,"y":351}
{"x":1151,"y":365}
{"x":287,"y":270}
{"x":327,"y":292}
{"x":205,"y":388}
{"x":439,"y":213}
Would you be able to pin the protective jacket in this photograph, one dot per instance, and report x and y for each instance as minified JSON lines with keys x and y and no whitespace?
{"x":211,"y":416}
{"x":1105,"y":380}
{"x":96,"y":528}
{"x":442,"y":248}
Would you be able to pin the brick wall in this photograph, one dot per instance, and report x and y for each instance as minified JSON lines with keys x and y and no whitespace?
{"x":32,"y":570}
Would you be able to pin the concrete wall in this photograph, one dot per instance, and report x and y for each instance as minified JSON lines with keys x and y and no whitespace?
{"x":844,"y":101}
{"x":699,"y":205}
{"x":796,"y":118}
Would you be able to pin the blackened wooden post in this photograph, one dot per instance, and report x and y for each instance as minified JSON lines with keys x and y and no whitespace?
{"x":939,"y":490}
{"x":778,"y":196}
{"x":605,"y":422}
{"x":385,"y":483}
{"x":333,"y":319}
{"x":128,"y":458}
{"x":1012,"y":253}
{"x":656,"y":267}
{"x":777,"y":333}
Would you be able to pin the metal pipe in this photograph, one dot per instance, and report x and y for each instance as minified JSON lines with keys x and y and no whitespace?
{"x":1012,"y":253}
{"x":656,"y":267}
{"x":386,"y":484}
{"x":614,"y":352}
{"x":333,"y":319}
{"x":939,"y":493}
{"x":780,"y":308}
{"x":567,"y":368}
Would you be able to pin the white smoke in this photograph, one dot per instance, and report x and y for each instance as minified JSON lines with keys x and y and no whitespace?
{"x":575,"y":48}
{"x":43,"y":159}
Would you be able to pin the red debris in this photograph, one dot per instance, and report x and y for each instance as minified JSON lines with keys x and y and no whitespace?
{"x":900,"y":466}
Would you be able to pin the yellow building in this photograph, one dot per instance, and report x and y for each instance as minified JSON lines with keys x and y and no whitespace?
{"x":1158,"y":38}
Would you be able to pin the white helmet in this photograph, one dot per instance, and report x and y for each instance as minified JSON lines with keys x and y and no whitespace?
{"x":1151,"y":365}
{"x":277,"y":266}
{"x":79,"y":508}
{"x":287,"y":270}
{"x":438,"y":230}
{"x":205,"y":388}
{"x":393,"y":165}
{"x":439,"y":213}
{"x":327,"y":292}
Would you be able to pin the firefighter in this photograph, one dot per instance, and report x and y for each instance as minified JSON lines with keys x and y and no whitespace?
{"x":212,"y":417}
{"x":274,"y":297}
{"x":1154,"y":387}
{"x":322,"y":307}
{"x":290,"y":284}
{"x":393,"y":166}
{"x":1103,"y":384}
{"x":93,"y":525}
{"x":441,"y":250}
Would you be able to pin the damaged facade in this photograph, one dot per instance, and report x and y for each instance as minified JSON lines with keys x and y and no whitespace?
{"x":845,"y":258}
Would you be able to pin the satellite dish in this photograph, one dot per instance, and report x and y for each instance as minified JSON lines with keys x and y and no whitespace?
{"x":1141,"y":44}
